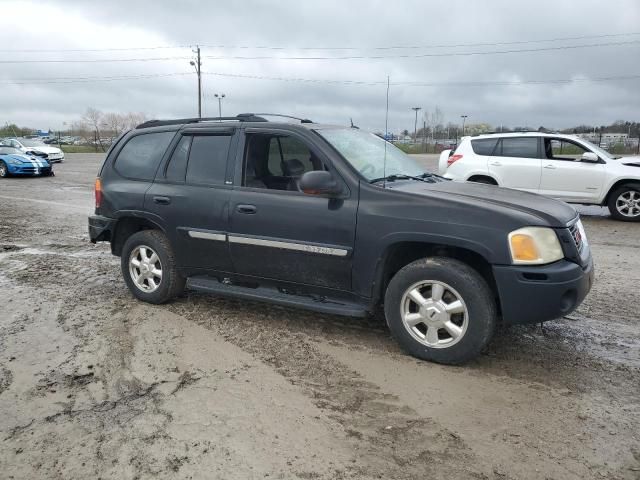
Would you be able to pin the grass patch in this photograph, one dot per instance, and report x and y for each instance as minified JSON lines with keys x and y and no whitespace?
{"x":79,"y":149}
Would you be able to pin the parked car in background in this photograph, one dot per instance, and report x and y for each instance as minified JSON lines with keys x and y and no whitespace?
{"x":565,"y":167}
{"x":336,"y":220}
{"x":14,"y":161}
{"x":53,"y":154}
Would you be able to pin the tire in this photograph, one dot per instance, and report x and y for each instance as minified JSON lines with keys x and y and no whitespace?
{"x":168,"y":285}
{"x":459,"y":282}
{"x":619,"y":205}
{"x":4,"y":171}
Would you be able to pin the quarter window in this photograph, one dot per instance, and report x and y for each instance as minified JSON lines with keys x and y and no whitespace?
{"x":524,"y":147}
{"x":140,"y":156}
{"x":208,"y":159}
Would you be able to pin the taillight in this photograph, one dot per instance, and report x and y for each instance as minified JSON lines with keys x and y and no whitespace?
{"x":97,"y":190}
{"x":452,"y":159}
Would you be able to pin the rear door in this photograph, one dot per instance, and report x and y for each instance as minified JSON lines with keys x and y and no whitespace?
{"x":191,"y":194}
{"x":516,"y":163}
{"x":280,"y":233}
{"x":565,"y":177}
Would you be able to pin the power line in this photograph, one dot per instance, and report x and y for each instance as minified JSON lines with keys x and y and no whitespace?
{"x":88,"y":79}
{"x":427,"y":84}
{"x":98,"y":60}
{"x":423,"y":55}
{"x":268,"y":47}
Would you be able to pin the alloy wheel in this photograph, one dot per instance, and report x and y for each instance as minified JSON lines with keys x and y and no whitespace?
{"x":434,"y":313}
{"x":145,"y":268}
{"x":628,"y":204}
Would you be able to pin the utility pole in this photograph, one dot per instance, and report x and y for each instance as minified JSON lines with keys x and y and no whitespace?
{"x":197,"y":64}
{"x":219,"y":97}
{"x":415,"y":124}
{"x":464,"y":118}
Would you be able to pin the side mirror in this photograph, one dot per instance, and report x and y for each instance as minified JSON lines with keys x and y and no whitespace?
{"x":589,"y":157}
{"x":319,"y":182}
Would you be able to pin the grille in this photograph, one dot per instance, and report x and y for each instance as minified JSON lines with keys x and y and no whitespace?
{"x":577,"y":236}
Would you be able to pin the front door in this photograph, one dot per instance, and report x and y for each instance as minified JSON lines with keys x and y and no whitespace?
{"x":565,"y":177}
{"x":192,"y":194}
{"x":278,"y":232}
{"x":516,"y":163}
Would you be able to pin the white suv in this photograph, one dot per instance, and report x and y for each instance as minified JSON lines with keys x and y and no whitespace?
{"x":565,"y":167}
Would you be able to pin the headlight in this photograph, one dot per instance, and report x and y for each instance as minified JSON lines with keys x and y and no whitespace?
{"x":14,"y":161}
{"x":534,"y":246}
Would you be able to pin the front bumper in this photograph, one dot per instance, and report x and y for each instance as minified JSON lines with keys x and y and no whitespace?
{"x":531,"y":294}
{"x":28,"y":169}
{"x":100,"y":228}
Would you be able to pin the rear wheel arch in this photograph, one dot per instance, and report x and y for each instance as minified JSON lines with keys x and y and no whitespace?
{"x":486,"y":179}
{"x":398,"y":255}
{"x":127,"y":226}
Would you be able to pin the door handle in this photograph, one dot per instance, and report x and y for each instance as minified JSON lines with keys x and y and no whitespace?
{"x":162,"y":200}
{"x":496,"y":164}
{"x":550,"y":167}
{"x":248,"y":209}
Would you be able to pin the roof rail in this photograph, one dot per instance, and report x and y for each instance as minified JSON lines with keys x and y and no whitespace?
{"x":243,"y":117}
{"x":302,"y":120}
{"x":514,"y":131}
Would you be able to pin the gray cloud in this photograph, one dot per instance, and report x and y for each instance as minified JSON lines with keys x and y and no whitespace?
{"x":294,"y":25}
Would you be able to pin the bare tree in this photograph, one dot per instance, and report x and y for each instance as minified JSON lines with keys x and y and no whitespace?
{"x":93,"y":120}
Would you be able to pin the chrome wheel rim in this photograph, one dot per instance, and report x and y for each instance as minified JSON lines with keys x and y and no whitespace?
{"x":628,"y":203}
{"x":434,"y":314}
{"x":3,"y":171}
{"x":145,"y":268}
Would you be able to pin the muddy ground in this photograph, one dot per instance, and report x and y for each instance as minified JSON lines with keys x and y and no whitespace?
{"x":94,"y":384}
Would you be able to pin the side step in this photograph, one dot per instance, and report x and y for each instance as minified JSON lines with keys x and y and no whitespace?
{"x":272,"y":295}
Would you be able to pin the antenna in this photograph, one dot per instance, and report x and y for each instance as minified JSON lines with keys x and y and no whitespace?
{"x":386,"y":132}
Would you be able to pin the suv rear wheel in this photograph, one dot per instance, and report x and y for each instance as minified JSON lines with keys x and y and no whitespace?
{"x":624,"y":203}
{"x":149,"y":267}
{"x":440,"y":309}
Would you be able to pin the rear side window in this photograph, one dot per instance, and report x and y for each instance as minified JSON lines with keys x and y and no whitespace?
{"x":520,"y":147}
{"x":208,"y":159}
{"x":140,"y":156}
{"x":484,"y":146}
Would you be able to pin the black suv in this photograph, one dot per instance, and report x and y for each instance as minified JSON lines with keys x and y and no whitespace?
{"x":335,"y":220}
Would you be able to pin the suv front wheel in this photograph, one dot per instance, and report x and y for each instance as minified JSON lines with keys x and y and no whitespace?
{"x":149,"y":267}
{"x":440,"y":309}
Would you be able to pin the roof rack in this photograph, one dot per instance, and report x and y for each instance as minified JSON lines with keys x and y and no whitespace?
{"x":242,"y":117}
{"x":515,"y":131}
{"x":302,"y":120}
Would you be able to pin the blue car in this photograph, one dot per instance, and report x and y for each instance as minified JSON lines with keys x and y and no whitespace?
{"x":15,"y":162}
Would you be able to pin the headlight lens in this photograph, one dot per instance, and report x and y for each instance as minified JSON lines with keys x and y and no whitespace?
{"x":14,"y":161}
{"x":534,"y":246}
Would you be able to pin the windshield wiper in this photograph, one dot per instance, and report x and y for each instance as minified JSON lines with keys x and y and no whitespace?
{"x":397,"y":176}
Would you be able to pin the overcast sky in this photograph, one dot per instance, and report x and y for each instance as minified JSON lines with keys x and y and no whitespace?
{"x":47,"y":30}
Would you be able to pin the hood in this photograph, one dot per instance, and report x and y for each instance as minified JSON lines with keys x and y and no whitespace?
{"x":35,"y":161}
{"x":630,"y":161}
{"x":46,"y":149}
{"x":538,"y":209}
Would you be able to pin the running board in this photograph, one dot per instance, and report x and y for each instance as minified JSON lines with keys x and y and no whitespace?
{"x":273,"y":295}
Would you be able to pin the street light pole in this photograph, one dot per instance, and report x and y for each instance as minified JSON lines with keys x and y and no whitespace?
{"x":415,"y":124}
{"x":197,"y":64}
{"x":464,"y":117}
{"x":219,"y":97}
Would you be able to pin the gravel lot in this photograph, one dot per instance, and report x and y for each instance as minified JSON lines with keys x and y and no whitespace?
{"x":94,"y":384}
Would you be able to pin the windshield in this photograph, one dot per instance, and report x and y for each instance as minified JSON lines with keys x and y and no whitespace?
{"x":366,"y":152}
{"x":5,"y":150}
{"x":30,"y":142}
{"x":599,"y":151}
